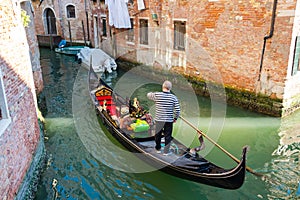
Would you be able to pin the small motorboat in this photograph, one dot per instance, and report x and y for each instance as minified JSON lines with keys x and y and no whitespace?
{"x":70,"y":50}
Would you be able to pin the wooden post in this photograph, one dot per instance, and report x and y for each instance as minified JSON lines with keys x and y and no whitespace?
{"x":87,"y":25}
{"x":50,"y":32}
{"x":70,"y":33}
{"x":83,"y":32}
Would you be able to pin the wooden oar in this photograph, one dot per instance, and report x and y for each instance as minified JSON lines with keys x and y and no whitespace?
{"x":220,"y":147}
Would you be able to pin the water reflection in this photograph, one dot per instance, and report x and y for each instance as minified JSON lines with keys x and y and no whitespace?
{"x":285,"y":166}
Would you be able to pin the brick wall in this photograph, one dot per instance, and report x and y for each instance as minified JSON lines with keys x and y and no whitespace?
{"x":62,"y":22}
{"x":223,"y":37}
{"x":226,"y":38}
{"x":33,"y":48}
{"x":19,"y":141}
{"x":232,"y":35}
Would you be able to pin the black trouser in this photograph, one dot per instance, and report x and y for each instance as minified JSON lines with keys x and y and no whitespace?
{"x":166,"y":128}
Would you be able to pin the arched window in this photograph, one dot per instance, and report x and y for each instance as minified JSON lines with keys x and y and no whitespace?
{"x":71,"y":11}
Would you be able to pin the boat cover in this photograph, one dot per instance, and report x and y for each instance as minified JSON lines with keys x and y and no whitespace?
{"x":101,"y":61}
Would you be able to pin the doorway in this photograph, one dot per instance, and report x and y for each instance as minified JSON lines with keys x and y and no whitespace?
{"x":50,"y":25}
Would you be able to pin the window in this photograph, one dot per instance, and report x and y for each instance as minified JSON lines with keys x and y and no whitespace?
{"x":71,"y":11}
{"x":296,"y":56}
{"x":143,"y":31}
{"x":4,"y":114}
{"x":130,"y":33}
{"x":179,"y":35}
{"x":104,"y":31}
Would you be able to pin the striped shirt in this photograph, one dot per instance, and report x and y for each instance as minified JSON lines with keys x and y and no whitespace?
{"x":166,"y":106}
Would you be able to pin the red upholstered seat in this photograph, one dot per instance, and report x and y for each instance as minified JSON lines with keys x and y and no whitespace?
{"x":110,"y":104}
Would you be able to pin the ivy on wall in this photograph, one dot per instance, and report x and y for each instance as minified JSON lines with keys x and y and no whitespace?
{"x":25,"y":18}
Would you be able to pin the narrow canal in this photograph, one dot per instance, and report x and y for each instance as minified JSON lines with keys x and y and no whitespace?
{"x":86,"y":166}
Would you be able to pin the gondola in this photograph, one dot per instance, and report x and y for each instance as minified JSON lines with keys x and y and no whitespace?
{"x":111,"y":107}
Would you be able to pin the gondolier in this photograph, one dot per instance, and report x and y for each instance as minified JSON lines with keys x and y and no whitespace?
{"x":167,"y":111}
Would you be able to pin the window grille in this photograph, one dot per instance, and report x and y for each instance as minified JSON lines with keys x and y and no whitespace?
{"x":143,"y":31}
{"x":179,"y":35}
{"x":104,"y":30}
{"x":71,"y":11}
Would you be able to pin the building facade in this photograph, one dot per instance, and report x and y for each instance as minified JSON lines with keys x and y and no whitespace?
{"x":20,"y":136}
{"x":252,"y":45}
{"x":66,"y":19}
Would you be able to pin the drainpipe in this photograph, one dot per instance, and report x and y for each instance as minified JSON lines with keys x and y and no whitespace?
{"x":268,"y":37}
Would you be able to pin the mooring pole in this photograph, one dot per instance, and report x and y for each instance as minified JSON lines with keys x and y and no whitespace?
{"x":83,"y":32}
{"x":50,"y":32}
{"x":70,"y":33}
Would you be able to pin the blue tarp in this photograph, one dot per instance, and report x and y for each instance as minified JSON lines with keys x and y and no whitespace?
{"x":62,"y":43}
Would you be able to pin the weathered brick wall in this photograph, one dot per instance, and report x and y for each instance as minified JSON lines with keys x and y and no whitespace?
{"x":76,"y":27}
{"x":19,"y":141}
{"x":62,"y":22}
{"x":39,"y":15}
{"x":227,"y":37}
{"x":232,"y":34}
{"x":223,"y":37}
{"x":33,"y":48}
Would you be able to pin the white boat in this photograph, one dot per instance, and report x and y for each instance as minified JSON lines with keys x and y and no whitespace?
{"x":101,"y":61}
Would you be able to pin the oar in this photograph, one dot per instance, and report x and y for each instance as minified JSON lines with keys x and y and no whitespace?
{"x":220,"y":147}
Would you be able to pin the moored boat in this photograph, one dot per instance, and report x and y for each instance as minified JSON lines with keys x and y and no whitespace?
{"x":98,"y":59}
{"x":115,"y":112}
{"x":70,"y":50}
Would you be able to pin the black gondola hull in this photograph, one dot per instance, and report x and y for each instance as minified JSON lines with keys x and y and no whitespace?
{"x":231,"y":180}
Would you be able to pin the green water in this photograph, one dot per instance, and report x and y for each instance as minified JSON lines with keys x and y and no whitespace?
{"x":87,"y":164}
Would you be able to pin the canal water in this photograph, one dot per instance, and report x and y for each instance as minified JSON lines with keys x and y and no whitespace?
{"x":85,"y":162}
